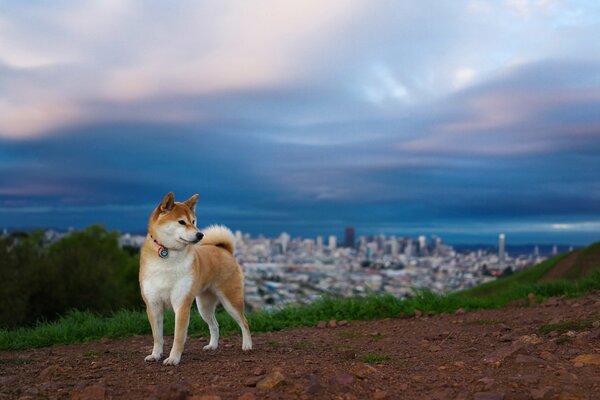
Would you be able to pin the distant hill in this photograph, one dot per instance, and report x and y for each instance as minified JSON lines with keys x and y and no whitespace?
{"x":575,"y":265}
{"x":567,"y":268}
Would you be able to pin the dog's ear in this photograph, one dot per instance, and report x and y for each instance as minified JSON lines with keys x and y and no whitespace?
{"x":192,"y":201}
{"x":167,"y":203}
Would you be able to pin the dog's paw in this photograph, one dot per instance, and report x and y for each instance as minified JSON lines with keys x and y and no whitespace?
{"x":209,"y":347}
{"x":171,"y":360}
{"x":247,"y":346}
{"x":152,"y":357}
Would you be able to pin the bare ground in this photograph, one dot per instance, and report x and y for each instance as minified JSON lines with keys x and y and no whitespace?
{"x":491,"y":354}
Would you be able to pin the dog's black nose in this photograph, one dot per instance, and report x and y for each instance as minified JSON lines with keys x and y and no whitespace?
{"x":199,"y":236}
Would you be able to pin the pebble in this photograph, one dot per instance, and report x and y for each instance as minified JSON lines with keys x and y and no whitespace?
{"x":259,"y":371}
{"x":544,"y":393}
{"x":272,"y":380}
{"x":418,"y":313}
{"x":343,"y":323}
{"x":435,"y":348}
{"x":332,"y":323}
{"x":460,"y":311}
{"x":252,"y":381}
{"x":592,"y":359}
{"x":379,"y":394}
{"x":363,"y":370}
{"x":342,"y":378}
{"x":92,"y":392}
{"x":247,"y":396}
{"x":488,"y":396}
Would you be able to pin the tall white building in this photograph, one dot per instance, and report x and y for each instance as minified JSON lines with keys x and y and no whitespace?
{"x":319,"y":243}
{"x":332,"y":242}
{"x":501,"y":247}
{"x":284,"y":239}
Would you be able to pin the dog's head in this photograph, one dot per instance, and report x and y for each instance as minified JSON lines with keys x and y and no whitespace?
{"x":173,"y":224}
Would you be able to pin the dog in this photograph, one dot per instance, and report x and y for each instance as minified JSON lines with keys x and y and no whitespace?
{"x":178,"y":264}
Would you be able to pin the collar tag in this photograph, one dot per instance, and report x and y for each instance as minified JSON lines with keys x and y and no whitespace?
{"x":163,"y":252}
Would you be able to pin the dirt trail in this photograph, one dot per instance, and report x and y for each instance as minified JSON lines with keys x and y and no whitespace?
{"x":492,"y":354}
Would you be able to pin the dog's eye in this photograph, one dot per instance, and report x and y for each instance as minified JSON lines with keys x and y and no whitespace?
{"x":182,"y":222}
{"x":194,"y":222}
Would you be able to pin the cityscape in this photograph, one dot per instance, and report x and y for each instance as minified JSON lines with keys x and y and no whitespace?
{"x":289,"y":270}
{"x":284,"y":271}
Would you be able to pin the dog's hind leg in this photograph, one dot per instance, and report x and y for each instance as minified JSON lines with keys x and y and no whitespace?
{"x":233,"y":302}
{"x":207,"y":302}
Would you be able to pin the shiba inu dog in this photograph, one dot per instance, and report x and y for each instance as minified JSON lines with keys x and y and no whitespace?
{"x":180,"y":264}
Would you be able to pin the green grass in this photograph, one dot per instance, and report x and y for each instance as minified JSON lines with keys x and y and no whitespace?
{"x":571,"y":325}
{"x":374,"y":358}
{"x":78,"y":326}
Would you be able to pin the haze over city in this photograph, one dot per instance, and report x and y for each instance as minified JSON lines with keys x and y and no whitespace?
{"x":460,"y":119}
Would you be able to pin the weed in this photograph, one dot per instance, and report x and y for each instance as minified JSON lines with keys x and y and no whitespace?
{"x":374,"y":358}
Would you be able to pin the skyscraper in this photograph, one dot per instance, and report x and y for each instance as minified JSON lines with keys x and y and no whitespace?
{"x":349,"y":237}
{"x":332,"y":242}
{"x":501,"y":247}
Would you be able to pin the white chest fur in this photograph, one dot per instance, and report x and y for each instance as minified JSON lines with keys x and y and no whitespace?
{"x":168,"y":280}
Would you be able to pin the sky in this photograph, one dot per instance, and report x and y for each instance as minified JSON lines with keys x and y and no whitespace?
{"x":461,"y":119}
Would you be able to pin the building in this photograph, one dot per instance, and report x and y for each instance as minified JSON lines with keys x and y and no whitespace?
{"x":332,"y":242}
{"x":501,"y":247}
{"x":349,"y":240}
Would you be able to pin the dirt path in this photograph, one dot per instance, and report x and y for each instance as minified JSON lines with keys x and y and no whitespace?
{"x":493,"y":354}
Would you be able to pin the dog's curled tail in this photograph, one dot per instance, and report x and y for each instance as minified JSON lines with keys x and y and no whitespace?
{"x":219,"y":235}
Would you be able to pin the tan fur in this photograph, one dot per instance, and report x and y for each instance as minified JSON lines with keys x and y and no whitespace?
{"x":207,"y":272}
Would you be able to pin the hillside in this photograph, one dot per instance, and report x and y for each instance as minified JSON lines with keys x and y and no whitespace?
{"x":538,"y":351}
{"x":542,"y":344}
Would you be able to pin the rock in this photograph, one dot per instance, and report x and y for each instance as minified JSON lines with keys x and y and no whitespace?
{"x":259,"y":371}
{"x":314,"y":387}
{"x":49,"y":372}
{"x":440,"y":394}
{"x":523,"y":359}
{"x":545,"y":393}
{"x":527,"y":379}
{"x":504,"y":327}
{"x":459,"y":364}
{"x":379,"y":394}
{"x":92,"y":392}
{"x":505,"y":338}
{"x":418,"y":313}
{"x":252,"y":381}
{"x":435,"y":348}
{"x":530,"y":339}
{"x":332,"y":323}
{"x":175,"y":391}
{"x":547,"y":356}
{"x":321,"y":324}
{"x":487,"y":382}
{"x":460,"y":311}
{"x":341,"y":378}
{"x":205,"y":397}
{"x":488,"y":396}
{"x":343,"y":323}
{"x":578,"y":365}
{"x":596,"y":324}
{"x":270,"y":381}
{"x":363,"y":370}
{"x":247,"y":396}
{"x":497,"y":356}
{"x":589,"y":359}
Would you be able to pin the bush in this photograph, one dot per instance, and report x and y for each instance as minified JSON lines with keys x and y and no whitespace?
{"x":86,"y":270}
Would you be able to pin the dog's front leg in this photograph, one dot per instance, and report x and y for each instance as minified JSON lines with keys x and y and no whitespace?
{"x":155,"y":316}
{"x":182,"y":320}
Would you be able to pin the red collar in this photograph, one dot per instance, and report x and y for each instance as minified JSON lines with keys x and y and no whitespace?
{"x":163,"y":252}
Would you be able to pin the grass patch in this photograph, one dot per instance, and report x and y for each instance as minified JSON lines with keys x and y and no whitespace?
{"x":93,"y":354}
{"x":485,"y":322}
{"x":374,"y":358}
{"x":572,"y":325}
{"x":78,"y":326}
{"x":349,"y":334}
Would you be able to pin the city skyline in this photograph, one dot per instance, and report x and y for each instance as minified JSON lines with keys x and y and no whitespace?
{"x":461,"y":119}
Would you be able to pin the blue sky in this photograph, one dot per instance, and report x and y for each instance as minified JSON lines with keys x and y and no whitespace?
{"x":460,"y":118}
